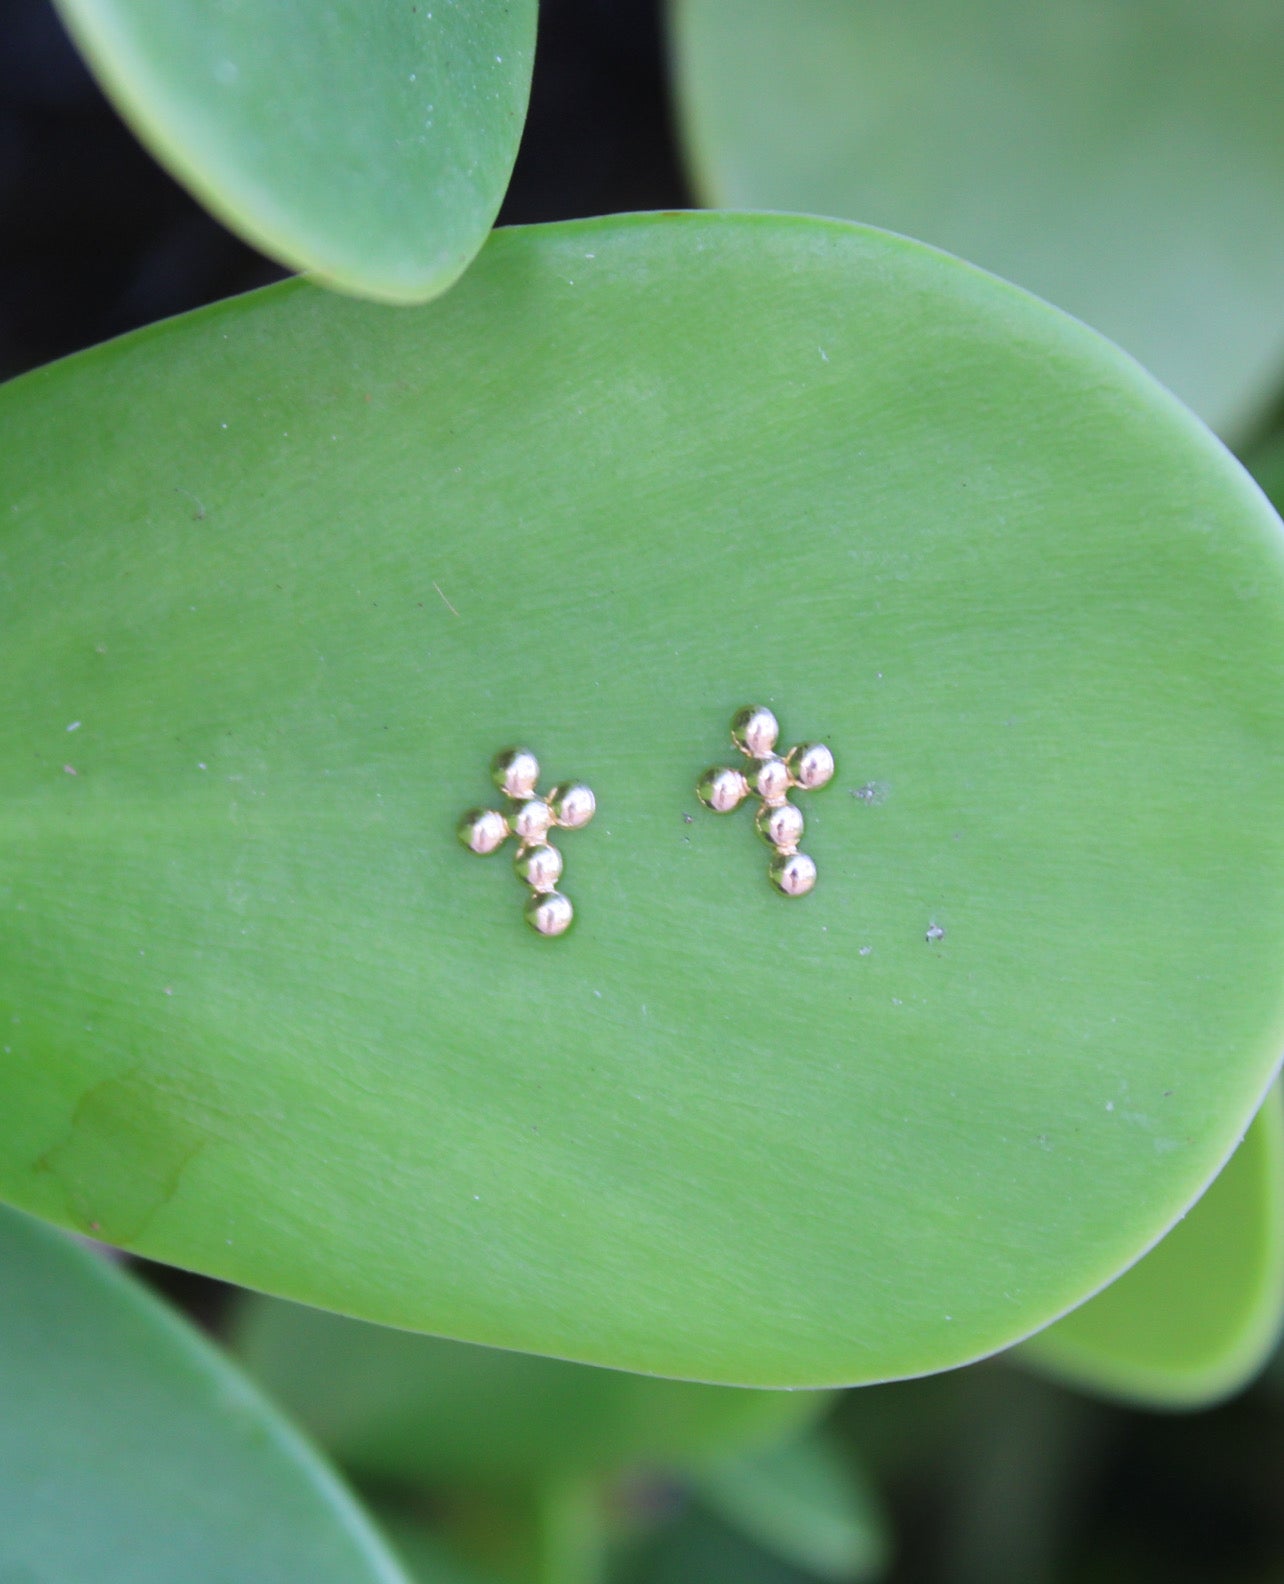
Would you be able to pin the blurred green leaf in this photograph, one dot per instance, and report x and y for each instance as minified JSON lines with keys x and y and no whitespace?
{"x":1122,"y":158}
{"x":396,"y":1406}
{"x":368,"y":141}
{"x":132,"y":1453}
{"x":701,"y":1549}
{"x":552,"y":1534}
{"x":805,"y":1500}
{"x":276,"y":581}
{"x":1200,"y":1314}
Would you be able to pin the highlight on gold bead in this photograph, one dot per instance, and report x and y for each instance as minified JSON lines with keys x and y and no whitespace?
{"x":531,"y":817}
{"x":540,"y":867}
{"x":722,"y":790}
{"x":549,"y":913}
{"x":771,"y":776}
{"x":482,"y":830}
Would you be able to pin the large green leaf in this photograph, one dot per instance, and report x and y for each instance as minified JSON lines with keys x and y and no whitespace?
{"x":132,"y":1453}
{"x":1200,"y":1314}
{"x":293,"y":569}
{"x":1123,"y":158}
{"x":392,"y":1406}
{"x":369,"y":141}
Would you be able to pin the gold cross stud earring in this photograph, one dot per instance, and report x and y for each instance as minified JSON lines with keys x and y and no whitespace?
{"x":531,"y":816}
{"x":771,"y":777}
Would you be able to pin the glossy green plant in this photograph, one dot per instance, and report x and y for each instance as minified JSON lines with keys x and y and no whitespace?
{"x":1122,"y":159}
{"x":278,"y":580}
{"x":132,"y":1453}
{"x":367,"y":141}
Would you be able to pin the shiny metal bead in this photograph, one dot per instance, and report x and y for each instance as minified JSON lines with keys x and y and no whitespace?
{"x":515,"y":772}
{"x":771,"y":780}
{"x":573,"y":804}
{"x":539,"y":866}
{"x":813,"y":766}
{"x":550,"y":913}
{"x":754,"y":731}
{"x":483,"y":830}
{"x":792,"y":873}
{"x":533,"y":820}
{"x":722,"y":790}
{"x":781,"y":826}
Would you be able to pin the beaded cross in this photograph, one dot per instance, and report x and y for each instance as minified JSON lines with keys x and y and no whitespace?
{"x":530,"y":817}
{"x":771,"y":777}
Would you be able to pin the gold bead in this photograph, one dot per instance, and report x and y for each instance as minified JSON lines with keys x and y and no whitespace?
{"x":814,"y":766}
{"x":483,"y":830}
{"x":550,"y":913}
{"x":771,"y":780}
{"x":573,"y":804}
{"x":781,"y":826}
{"x":515,"y":772}
{"x":722,"y":790}
{"x":792,"y":873}
{"x":539,"y":866}
{"x":533,"y":820}
{"x":754,"y":731}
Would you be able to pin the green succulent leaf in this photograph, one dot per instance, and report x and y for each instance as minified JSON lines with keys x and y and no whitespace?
{"x":1200,"y":1314}
{"x":1122,"y":159}
{"x":804,"y":1500}
{"x":132,"y":1453}
{"x":279,"y":578}
{"x":367,"y":141}
{"x":389,"y":1405}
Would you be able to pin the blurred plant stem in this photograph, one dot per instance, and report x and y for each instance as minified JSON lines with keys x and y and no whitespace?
{"x":570,"y":1538}
{"x":1018,"y":1481}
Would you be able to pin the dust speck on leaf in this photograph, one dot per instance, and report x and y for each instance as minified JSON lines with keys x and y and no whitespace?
{"x":71,"y":770}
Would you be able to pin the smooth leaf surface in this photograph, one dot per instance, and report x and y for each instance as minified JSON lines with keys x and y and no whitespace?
{"x":1200,"y":1314}
{"x":1122,"y":159}
{"x":804,"y":1500}
{"x":132,"y":1453}
{"x":390,"y":1405}
{"x":278,"y":579}
{"x":367,"y":141}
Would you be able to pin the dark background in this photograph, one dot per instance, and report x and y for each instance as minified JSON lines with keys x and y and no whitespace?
{"x":95,"y":239}
{"x":993,"y":1478}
